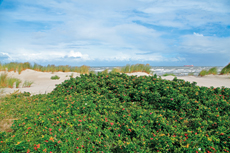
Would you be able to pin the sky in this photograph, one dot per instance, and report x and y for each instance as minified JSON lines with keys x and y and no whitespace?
{"x":115,"y":32}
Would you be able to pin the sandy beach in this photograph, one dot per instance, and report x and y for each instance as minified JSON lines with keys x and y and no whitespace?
{"x":42,"y":82}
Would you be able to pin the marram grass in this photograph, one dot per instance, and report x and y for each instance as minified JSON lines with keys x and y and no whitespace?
{"x":19,"y":67}
{"x":226,"y":69}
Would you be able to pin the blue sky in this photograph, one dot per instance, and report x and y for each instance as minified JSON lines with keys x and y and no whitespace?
{"x":115,"y":33}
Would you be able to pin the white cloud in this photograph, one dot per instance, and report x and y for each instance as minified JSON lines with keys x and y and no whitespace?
{"x":107,"y":30}
{"x":197,"y":34}
{"x":205,"y":45}
{"x":75,"y":54}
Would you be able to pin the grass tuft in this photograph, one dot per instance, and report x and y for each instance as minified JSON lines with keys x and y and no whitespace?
{"x":55,"y":77}
{"x":3,"y":80}
{"x":8,"y":81}
{"x":169,"y":74}
{"x":136,"y":68}
{"x":116,"y":70}
{"x":27,"y":83}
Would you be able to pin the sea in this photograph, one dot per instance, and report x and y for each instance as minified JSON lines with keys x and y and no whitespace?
{"x":161,"y":70}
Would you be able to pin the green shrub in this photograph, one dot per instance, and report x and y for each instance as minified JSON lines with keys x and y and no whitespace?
{"x":55,"y":77}
{"x":119,"y":113}
{"x":226,"y":69}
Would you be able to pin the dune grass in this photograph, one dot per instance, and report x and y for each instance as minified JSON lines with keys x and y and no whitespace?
{"x":71,"y":76}
{"x":3,"y":80}
{"x":55,"y":77}
{"x":203,"y":73}
{"x":213,"y":71}
{"x":226,"y":69}
{"x":191,"y":74}
{"x":116,"y":69}
{"x":106,"y":71}
{"x":1,"y":91}
{"x":27,"y":84}
{"x":9,"y":82}
{"x":19,"y":67}
{"x":169,"y":74}
{"x":135,"y":68}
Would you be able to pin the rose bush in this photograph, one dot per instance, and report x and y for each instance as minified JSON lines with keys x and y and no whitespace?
{"x":119,"y":113}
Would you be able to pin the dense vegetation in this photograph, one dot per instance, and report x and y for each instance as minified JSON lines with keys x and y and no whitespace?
{"x":226,"y":69}
{"x":118,"y":113}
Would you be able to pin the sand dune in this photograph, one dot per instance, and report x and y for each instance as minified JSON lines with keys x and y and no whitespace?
{"x":43,"y":84}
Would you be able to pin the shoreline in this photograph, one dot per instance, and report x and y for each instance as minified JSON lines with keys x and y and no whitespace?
{"x":42,"y":82}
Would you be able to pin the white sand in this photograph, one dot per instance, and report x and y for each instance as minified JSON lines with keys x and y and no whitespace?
{"x":43,"y":83}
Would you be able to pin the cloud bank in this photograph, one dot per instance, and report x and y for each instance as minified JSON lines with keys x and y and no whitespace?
{"x":86,"y":32}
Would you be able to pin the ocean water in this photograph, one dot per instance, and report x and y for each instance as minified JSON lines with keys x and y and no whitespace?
{"x":161,"y":70}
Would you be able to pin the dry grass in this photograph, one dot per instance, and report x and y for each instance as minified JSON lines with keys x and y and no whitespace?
{"x":19,"y":67}
{"x":6,"y":81}
{"x":136,"y":68}
{"x":27,"y":84}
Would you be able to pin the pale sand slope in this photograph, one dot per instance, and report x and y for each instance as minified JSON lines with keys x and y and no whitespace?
{"x":206,"y":81}
{"x":42,"y":81}
{"x":43,"y":84}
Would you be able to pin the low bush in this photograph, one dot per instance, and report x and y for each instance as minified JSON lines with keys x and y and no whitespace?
{"x":119,"y":113}
{"x":55,"y":77}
